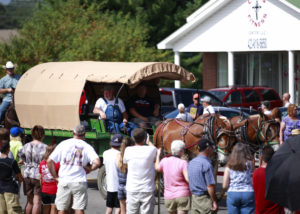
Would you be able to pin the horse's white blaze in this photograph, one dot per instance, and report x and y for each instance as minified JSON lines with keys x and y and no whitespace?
{"x":275,"y":147}
{"x":221,"y":157}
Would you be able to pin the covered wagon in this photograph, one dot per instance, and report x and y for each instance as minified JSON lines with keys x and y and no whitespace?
{"x":49,"y":94}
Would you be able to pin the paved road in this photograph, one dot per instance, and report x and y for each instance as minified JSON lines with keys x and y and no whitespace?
{"x":96,"y":203}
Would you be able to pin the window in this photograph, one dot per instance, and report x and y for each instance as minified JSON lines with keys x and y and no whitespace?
{"x":214,"y":101}
{"x":222,"y":69}
{"x":259,"y":68}
{"x":268,"y":94}
{"x":184,"y":96}
{"x":166,"y":99}
{"x":234,"y":98}
{"x":219,"y":94}
{"x":251,"y":96}
{"x":230,"y":114}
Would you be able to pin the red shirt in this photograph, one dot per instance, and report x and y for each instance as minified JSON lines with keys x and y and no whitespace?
{"x":49,"y":185}
{"x":261,"y":204}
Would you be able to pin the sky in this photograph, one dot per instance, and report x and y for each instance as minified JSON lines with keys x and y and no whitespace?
{"x":4,"y":1}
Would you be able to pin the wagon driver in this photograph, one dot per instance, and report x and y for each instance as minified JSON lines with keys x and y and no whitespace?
{"x":7,"y":85}
{"x":112,"y":111}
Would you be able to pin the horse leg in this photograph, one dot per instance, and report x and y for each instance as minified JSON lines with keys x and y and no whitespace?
{"x":215,"y":164}
{"x":159,"y":184}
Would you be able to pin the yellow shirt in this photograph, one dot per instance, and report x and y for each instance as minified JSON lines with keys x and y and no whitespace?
{"x":15,"y":147}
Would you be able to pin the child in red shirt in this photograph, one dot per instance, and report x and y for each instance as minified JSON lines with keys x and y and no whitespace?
{"x":49,"y":185}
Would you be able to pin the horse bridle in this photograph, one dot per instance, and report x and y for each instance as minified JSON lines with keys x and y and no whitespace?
{"x":207,"y":132}
{"x":261,"y":127}
{"x":261,"y":130}
{"x":221,"y":131}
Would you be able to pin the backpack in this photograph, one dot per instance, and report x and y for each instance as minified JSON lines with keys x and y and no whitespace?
{"x":113,"y":112}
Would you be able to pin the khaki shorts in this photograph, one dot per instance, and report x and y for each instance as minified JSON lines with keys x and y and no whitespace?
{"x":201,"y":204}
{"x":140,"y":202}
{"x":9,"y":203}
{"x":76,"y":189}
{"x":181,"y":204}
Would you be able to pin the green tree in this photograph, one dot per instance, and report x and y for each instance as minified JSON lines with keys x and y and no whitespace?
{"x":163,"y":16}
{"x":102,"y":30}
{"x":76,"y":31}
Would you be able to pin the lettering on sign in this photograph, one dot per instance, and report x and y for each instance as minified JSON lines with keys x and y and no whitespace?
{"x":257,"y":43}
{"x":257,"y":15}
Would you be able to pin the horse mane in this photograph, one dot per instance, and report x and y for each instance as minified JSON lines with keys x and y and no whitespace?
{"x":276,"y":114}
{"x":225,"y":119}
{"x":253,"y":116}
{"x":201,"y":117}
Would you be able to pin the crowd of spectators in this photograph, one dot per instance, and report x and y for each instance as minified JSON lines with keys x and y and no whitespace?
{"x":55,"y":176}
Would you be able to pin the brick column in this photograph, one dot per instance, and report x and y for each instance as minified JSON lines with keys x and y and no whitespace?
{"x":209,"y":70}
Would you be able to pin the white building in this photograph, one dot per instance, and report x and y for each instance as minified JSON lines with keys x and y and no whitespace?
{"x":244,"y":42}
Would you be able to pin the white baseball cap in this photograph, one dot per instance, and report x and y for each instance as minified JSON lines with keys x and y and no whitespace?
{"x":206,"y":99}
{"x":9,"y":65}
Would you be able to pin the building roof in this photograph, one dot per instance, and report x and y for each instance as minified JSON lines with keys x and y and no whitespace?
{"x":214,"y":15}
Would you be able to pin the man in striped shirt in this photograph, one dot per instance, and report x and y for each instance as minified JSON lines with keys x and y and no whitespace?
{"x":201,"y":180}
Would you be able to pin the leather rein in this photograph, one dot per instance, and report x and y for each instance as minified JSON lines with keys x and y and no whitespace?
{"x":261,"y":130}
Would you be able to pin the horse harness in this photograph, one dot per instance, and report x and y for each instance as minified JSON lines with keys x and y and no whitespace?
{"x":207,"y":133}
{"x":242,"y":132}
{"x":183,"y":132}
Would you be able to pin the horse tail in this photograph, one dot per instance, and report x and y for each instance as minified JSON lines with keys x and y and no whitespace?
{"x":159,"y":133}
{"x":276,"y":114}
{"x":156,"y":135}
{"x":10,"y":117}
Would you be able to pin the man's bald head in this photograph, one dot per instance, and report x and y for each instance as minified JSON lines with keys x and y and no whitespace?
{"x":286,"y":96}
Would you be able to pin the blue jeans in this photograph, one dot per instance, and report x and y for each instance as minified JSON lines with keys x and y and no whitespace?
{"x":116,"y":128}
{"x":240,"y":202}
{"x":3,"y":107}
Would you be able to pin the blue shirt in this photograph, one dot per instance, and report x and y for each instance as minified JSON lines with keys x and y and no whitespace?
{"x":200,"y":173}
{"x":9,"y":82}
{"x":289,"y":126}
{"x":241,"y":181}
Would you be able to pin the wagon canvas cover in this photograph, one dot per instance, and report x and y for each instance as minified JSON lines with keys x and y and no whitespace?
{"x":48,"y":94}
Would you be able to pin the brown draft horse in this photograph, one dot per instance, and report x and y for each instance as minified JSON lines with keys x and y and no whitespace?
{"x":257,"y":130}
{"x":10,"y":116}
{"x":215,"y":128}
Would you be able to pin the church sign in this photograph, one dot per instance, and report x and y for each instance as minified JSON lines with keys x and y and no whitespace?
{"x":257,"y":16}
